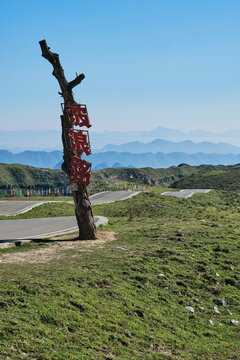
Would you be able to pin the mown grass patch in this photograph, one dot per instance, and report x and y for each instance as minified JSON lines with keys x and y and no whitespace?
{"x":128,"y":300}
{"x":53,"y":209}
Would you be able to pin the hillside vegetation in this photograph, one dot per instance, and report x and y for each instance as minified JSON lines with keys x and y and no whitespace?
{"x":203,"y":176}
{"x":166,"y":289}
{"x":162,"y":177}
{"x":225,"y":178}
{"x":25,"y":176}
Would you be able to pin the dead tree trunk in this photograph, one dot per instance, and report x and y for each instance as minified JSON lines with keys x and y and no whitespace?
{"x":83,"y":210}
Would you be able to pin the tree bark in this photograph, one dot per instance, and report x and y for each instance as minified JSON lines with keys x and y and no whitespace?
{"x":83,"y":210}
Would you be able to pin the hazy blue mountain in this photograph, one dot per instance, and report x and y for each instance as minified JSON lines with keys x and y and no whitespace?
{"x":35,"y":140}
{"x":34,"y":158}
{"x":159,"y":160}
{"x":49,"y":140}
{"x":165,"y":146}
{"x":100,"y":166}
{"x":99,"y":140}
{"x":101,"y":160}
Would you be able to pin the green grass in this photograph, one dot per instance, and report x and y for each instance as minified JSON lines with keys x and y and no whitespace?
{"x":44,"y":211}
{"x":226,"y":178}
{"x":161,"y":177}
{"x":114,"y":304}
{"x":23,"y":176}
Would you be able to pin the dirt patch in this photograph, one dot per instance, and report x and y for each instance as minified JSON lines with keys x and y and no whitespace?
{"x":161,"y":349}
{"x":56,"y":250}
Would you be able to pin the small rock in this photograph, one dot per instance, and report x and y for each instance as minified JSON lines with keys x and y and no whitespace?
{"x":119,"y":248}
{"x":217,"y":274}
{"x":139,"y":313}
{"x":234,"y":322}
{"x":211,"y":322}
{"x":221,"y":302}
{"x":190,"y":308}
{"x":216,"y":309}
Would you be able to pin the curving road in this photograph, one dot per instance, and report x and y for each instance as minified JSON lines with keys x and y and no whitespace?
{"x":186,"y":193}
{"x":15,"y":207}
{"x":29,"y":229}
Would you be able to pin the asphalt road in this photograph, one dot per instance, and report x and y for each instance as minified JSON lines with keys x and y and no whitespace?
{"x":30,"y":229}
{"x":18,"y":207}
{"x":186,"y":193}
{"x":111,"y":196}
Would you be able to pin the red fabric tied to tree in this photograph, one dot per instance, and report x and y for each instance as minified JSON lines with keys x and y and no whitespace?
{"x":79,"y":142}
{"x":78,"y":115}
{"x":80,"y":170}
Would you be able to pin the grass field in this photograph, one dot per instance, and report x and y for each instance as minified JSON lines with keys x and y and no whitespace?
{"x":27,"y":177}
{"x":225,"y":178}
{"x":127,"y":299}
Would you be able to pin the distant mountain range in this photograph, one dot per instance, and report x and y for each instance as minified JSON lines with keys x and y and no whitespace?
{"x":36,"y":140}
{"x":165,"y":146}
{"x":158,"y":160}
{"x":113,"y":159}
{"x":49,"y":140}
{"x":100,"y":140}
{"x":40,"y":159}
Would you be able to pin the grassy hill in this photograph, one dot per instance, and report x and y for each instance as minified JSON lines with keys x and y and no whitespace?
{"x":164,"y":177}
{"x":25,"y":176}
{"x":225,"y":178}
{"x":182,"y":176}
{"x":128,"y":299}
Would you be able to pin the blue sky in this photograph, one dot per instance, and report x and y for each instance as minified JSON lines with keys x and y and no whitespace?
{"x":173,"y":63}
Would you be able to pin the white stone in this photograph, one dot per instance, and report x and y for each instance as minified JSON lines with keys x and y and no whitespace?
{"x":221,"y":302}
{"x":119,"y":248}
{"x":190,"y":308}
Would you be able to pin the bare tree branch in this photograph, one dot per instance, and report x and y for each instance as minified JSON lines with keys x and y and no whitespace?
{"x":76,"y":81}
{"x":58,"y":72}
